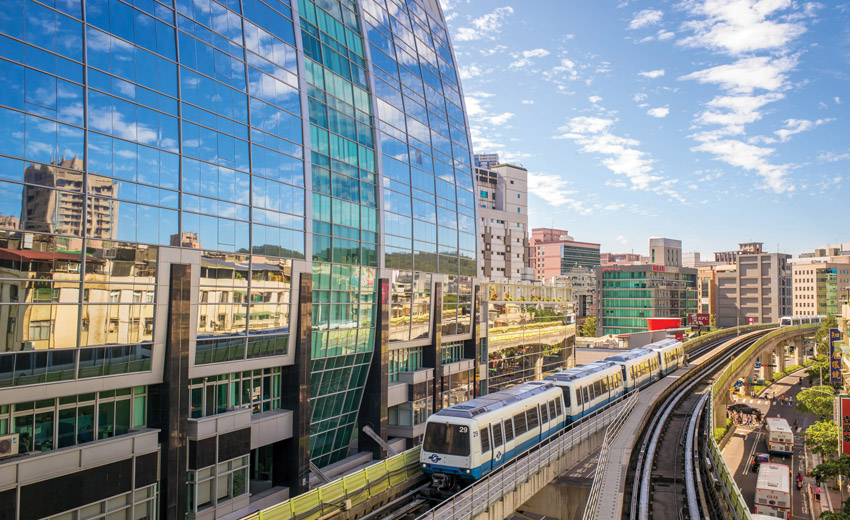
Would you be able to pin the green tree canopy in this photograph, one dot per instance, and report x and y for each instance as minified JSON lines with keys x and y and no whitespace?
{"x":588,"y":328}
{"x":816,"y":401}
{"x":832,"y":468}
{"x":822,"y":437}
{"x":818,"y":368}
{"x":822,"y":335}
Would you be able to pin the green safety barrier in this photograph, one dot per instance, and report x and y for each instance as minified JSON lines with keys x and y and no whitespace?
{"x":356,"y":487}
{"x":737,"y":499}
{"x":705,"y":338}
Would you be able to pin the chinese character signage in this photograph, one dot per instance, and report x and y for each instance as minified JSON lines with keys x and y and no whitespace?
{"x":845,"y":423}
{"x":834,"y":357}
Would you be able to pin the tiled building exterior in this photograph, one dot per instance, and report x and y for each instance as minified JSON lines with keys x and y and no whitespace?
{"x":223,"y":225}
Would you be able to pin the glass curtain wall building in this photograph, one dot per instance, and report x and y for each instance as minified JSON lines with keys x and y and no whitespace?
{"x":232,"y":234}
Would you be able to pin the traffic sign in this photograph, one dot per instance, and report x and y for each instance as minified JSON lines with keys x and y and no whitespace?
{"x":757,"y":364}
{"x":739,"y":384}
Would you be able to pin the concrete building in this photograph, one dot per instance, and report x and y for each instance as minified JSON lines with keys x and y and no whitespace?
{"x":503,"y":219}
{"x":756,"y":289}
{"x":553,"y":251}
{"x":622,"y":259}
{"x":665,"y":251}
{"x":828,"y":250}
{"x":820,"y":285}
{"x":630,"y":296}
{"x":486,"y":160}
{"x":728,"y":257}
{"x":261,"y":253}
{"x":583,"y":294}
{"x":706,"y":289}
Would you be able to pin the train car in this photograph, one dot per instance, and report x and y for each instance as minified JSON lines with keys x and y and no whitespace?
{"x":773,"y":491}
{"x":588,"y":387}
{"x":639,"y":367}
{"x":469,"y":440}
{"x":790,"y":321}
{"x":670,"y":354}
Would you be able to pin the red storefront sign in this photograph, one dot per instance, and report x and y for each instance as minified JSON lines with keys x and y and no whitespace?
{"x":663,"y":323}
{"x":845,"y":424}
{"x":702,"y":320}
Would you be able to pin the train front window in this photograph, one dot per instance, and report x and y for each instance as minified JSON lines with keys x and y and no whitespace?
{"x":448,"y":439}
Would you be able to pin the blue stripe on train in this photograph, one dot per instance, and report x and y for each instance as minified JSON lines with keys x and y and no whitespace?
{"x":483,"y":469}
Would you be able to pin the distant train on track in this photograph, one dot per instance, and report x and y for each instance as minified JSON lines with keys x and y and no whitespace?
{"x":467,"y":441}
{"x":789,"y":321}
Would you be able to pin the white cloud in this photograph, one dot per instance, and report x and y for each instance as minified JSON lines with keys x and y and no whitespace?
{"x":499,"y":119}
{"x":748,"y":74}
{"x":665,"y":35}
{"x":567,"y":66}
{"x":469,"y":71}
{"x":594,"y":99}
{"x":833,"y":157}
{"x":658,"y":112}
{"x":796,"y":126}
{"x":493,"y":50}
{"x":743,"y":26}
{"x":622,"y":240}
{"x":527,"y":101}
{"x":751,"y":158}
{"x":640,"y":97}
{"x":553,"y":189}
{"x":525,"y":58}
{"x":645,"y":18}
{"x":652,"y":74}
{"x":732,"y":113}
{"x":837,"y":100}
{"x":486,"y":26}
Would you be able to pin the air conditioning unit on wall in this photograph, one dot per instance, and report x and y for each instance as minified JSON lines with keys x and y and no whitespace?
{"x":9,"y":445}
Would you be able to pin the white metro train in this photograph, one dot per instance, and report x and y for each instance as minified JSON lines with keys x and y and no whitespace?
{"x":790,"y":321}
{"x":471,"y":439}
{"x":468,"y":440}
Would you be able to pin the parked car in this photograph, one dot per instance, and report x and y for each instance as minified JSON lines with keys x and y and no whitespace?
{"x":742,"y":408}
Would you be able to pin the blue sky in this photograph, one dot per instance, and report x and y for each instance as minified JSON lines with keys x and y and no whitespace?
{"x":714,"y":122}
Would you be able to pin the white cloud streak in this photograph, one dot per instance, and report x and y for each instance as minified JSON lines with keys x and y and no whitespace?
{"x":652,"y":74}
{"x":526,"y":58}
{"x":659,"y":112}
{"x":486,"y":26}
{"x":645,"y":18}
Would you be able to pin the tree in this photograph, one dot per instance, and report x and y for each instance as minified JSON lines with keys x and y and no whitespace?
{"x":832,"y":468}
{"x":835,"y":515}
{"x":822,"y":335}
{"x":822,"y":437}
{"x":818,"y":369}
{"x":713,"y":322}
{"x":588,"y":328}
{"x":816,"y":401}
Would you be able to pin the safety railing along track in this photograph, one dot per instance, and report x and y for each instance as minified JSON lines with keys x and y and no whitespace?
{"x":487,"y":491}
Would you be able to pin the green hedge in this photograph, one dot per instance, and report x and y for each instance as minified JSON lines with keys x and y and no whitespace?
{"x":719,"y":433}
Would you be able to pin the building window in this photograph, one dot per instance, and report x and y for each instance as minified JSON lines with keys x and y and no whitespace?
{"x":483,"y":194}
{"x":255,"y":389}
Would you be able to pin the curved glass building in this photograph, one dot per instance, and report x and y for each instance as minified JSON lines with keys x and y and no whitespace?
{"x":234,"y":236}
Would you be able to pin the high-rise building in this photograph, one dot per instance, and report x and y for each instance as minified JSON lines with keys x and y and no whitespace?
{"x":503,"y":219}
{"x":745,"y":248}
{"x":755,"y":288}
{"x":665,"y":251}
{"x":622,"y":259}
{"x":224,"y":224}
{"x":819,"y":287}
{"x":636,"y":298}
{"x":553,"y":251}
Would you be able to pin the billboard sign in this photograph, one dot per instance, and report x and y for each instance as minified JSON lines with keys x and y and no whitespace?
{"x":700,"y":320}
{"x":844,"y":408}
{"x":834,"y":357}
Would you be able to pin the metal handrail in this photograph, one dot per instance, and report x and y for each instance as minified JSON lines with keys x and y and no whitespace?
{"x":478,"y":497}
{"x":610,"y":434}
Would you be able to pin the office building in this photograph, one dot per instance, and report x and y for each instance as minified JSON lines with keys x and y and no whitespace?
{"x":745,"y":248}
{"x":665,"y":251}
{"x":502,"y":219}
{"x":622,"y":259}
{"x":486,"y":160}
{"x":553,"y":251}
{"x":582,"y":280}
{"x":754,"y":289}
{"x":828,"y":250}
{"x":195,"y":290}
{"x":640,"y":297}
{"x":820,"y":285}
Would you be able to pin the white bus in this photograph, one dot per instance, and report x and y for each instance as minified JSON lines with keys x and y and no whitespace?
{"x":773,"y":491}
{"x":780,"y":437}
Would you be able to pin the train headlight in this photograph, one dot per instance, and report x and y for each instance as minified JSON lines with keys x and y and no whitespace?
{"x":424,"y":465}
{"x":467,"y":471}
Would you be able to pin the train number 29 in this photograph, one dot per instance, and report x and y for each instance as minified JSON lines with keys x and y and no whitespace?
{"x":462,"y":429}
